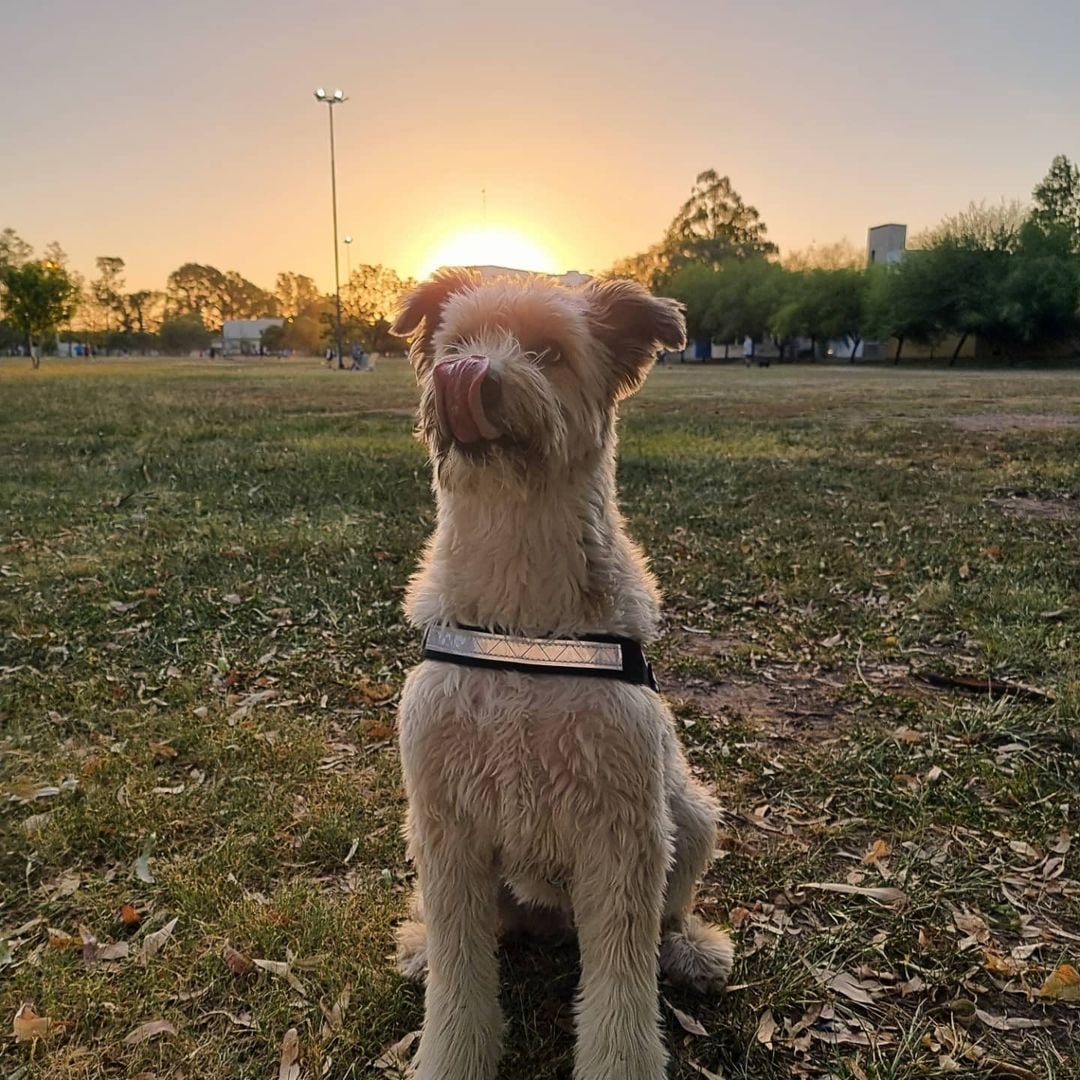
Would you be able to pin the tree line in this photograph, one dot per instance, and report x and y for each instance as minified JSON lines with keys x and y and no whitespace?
{"x":42,"y":297}
{"x":1006,"y":273}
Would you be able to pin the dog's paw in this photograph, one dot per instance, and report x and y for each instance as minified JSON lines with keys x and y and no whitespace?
{"x":412,"y":950}
{"x":698,"y":956}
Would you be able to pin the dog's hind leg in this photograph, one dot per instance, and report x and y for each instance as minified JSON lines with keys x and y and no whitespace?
{"x":618,"y":894}
{"x":693,"y":953}
{"x":462,"y":1032}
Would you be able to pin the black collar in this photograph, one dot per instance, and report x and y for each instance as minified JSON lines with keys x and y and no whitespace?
{"x":596,"y":656}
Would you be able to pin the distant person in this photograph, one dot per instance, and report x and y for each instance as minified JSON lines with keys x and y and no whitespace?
{"x":359,"y":357}
{"x":748,"y":350}
{"x":329,"y":356}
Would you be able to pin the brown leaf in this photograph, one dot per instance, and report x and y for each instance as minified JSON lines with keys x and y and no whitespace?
{"x":1062,"y":984}
{"x":877,"y":850}
{"x":397,"y":1055}
{"x":28,"y":1026}
{"x":1010,"y":1023}
{"x":686,"y":1021}
{"x":972,"y":925}
{"x":885,"y":895}
{"x":849,"y":987}
{"x":163,"y":750}
{"x":152,"y":944}
{"x":1005,"y":966}
{"x":766,"y":1028}
{"x":129,"y":916}
{"x":60,"y":939}
{"x":289,"y":1069}
{"x":150,"y":1030}
{"x":237,"y":962}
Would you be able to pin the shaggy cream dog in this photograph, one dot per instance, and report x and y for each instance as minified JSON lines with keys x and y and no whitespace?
{"x":534,"y":794}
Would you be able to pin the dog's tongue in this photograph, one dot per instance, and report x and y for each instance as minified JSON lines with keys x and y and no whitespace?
{"x":458,"y":399}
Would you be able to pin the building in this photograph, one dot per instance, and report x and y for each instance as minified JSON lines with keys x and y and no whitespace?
{"x":243,"y":337}
{"x":885,"y":244}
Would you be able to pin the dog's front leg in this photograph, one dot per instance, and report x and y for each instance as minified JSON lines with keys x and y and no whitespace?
{"x":462,"y":1032}
{"x":618,"y":895}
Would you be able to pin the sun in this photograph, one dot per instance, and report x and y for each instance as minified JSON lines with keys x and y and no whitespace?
{"x":490,"y":246}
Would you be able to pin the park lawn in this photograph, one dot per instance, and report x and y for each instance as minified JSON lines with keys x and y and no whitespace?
{"x":201,"y":566}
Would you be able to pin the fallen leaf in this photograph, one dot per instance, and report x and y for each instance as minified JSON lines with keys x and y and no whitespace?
{"x":64,"y":886}
{"x":849,"y":987}
{"x":289,"y":1069}
{"x":964,"y":570}
{"x":885,"y":895}
{"x":702,"y":1071}
{"x":1010,"y":1023}
{"x":1005,"y":966}
{"x":59,"y":939}
{"x":150,"y":1030}
{"x":129,"y":916}
{"x":908,"y":735}
{"x":397,"y":1055}
{"x":28,"y":1025}
{"x":766,"y":1028}
{"x":1022,"y":847}
{"x":832,"y":642}
{"x":141,"y":866}
{"x":877,"y":850}
{"x":1062,"y":984}
{"x":152,"y":943}
{"x":1005,"y":1068}
{"x":686,"y":1021}
{"x":972,"y":925}
{"x":236,"y":961}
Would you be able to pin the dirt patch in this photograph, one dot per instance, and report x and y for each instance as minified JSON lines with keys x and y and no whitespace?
{"x":995,"y":422}
{"x":1028,"y":506}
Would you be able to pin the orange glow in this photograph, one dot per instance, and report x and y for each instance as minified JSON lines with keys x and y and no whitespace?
{"x":492,"y":246}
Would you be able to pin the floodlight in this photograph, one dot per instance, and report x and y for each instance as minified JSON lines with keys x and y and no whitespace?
{"x":339,"y":95}
{"x":320,"y":94}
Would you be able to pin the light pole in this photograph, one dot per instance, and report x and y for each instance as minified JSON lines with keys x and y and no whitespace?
{"x":348,"y":257}
{"x":336,"y":98}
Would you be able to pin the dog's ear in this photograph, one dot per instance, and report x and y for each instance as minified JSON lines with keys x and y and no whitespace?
{"x":633,"y":324}
{"x":420,"y":311}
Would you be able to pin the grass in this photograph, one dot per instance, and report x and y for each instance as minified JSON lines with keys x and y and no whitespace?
{"x":200,"y":573}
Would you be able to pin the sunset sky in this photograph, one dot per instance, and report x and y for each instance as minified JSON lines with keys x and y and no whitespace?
{"x":167,"y":133}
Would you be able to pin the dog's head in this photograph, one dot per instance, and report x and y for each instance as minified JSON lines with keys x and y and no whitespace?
{"x":526,"y":369}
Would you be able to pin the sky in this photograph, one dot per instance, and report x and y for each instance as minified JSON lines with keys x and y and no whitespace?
{"x":168,"y":133}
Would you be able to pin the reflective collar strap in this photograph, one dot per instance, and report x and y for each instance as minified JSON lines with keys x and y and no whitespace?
{"x":597,"y":656}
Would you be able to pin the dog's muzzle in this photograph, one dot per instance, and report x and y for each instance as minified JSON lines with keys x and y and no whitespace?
{"x":599,"y":656}
{"x":466,"y":396}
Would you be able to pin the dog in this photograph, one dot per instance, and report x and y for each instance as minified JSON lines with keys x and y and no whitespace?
{"x":542,"y":792}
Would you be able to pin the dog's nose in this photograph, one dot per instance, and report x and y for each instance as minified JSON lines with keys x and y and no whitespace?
{"x":466,"y":395}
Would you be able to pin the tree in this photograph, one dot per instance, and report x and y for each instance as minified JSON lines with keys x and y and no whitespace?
{"x":183,"y":334}
{"x":841,"y":255}
{"x":696,"y":286}
{"x":297,"y":294}
{"x":273,"y":339}
{"x":823,"y":305}
{"x":978,"y":228}
{"x":368,"y":301}
{"x":38,"y":297}
{"x":1057,"y":201}
{"x":204,"y":291}
{"x":714,"y":225}
{"x":748,"y":293}
{"x":647,"y":268}
{"x":107,"y":289}
{"x":14,"y":250}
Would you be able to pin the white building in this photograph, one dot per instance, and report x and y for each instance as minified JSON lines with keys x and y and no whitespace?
{"x":244,"y":336}
{"x":885,"y":244}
